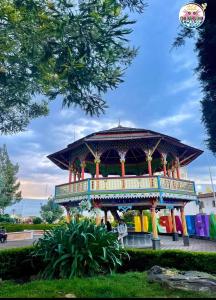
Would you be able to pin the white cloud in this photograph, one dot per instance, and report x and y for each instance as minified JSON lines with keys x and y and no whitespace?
{"x":173,"y":120}
{"x":69,"y":132}
{"x":189,"y":83}
{"x":189,"y":110}
{"x":183,"y":60}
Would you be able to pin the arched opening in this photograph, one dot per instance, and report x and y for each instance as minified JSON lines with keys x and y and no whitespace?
{"x":90,"y":165}
{"x":110,"y":163}
{"x":156,"y":162}
{"x":135,"y":162}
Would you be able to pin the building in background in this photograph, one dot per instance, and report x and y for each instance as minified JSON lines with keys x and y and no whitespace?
{"x":207,"y":203}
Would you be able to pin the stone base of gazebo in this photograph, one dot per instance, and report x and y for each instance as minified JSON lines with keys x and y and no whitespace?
{"x":175,"y":236}
{"x":186,"y":240}
{"x":156,"y":244}
{"x":138,"y":240}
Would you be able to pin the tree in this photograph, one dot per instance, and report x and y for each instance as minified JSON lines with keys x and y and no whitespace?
{"x":73,"y":49}
{"x":205,"y":47}
{"x":37,"y":220}
{"x":51,"y":211}
{"x":9,"y":187}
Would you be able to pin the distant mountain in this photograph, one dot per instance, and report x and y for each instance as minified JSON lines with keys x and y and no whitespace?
{"x":26,"y":207}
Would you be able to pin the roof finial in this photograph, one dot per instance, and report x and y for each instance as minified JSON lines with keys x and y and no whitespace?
{"x":119,"y":124}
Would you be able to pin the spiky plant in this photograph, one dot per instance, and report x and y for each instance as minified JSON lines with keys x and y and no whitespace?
{"x":78,"y":249}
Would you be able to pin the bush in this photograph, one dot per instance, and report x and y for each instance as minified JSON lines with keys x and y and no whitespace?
{"x":21,"y":227}
{"x":142,"y":260}
{"x":7,"y":219}
{"x":37,"y":220}
{"x":78,"y":249}
{"x":18,"y":263}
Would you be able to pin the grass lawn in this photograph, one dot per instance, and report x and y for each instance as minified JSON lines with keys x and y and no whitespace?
{"x":132,"y":284}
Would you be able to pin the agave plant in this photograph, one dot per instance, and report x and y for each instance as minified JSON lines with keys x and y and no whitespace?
{"x":78,"y":249}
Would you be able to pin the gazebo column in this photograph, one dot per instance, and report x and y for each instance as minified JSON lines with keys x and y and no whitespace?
{"x":141,"y":220}
{"x":173,"y":170}
{"x":83,"y":165}
{"x":97,"y":166}
{"x":164,"y":162}
{"x":105,"y":215}
{"x":122,"y":167}
{"x":175,"y":233}
{"x":68,"y":217}
{"x":122,"y":161}
{"x":70,"y":177}
{"x":97,"y":169}
{"x":177,"y":165}
{"x":149,"y":160}
{"x":155,"y":239}
{"x":184,"y":227}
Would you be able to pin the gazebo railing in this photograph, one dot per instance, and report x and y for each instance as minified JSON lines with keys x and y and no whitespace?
{"x":159,"y":183}
{"x":177,"y":185}
{"x":73,"y":188}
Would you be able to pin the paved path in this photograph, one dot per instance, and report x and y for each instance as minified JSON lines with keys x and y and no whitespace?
{"x":17,"y":244}
{"x":195,"y":244}
{"x":166,"y":243}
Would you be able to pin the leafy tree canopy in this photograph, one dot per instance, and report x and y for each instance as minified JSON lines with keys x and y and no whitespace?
{"x":205,"y":47}
{"x":73,"y":49}
{"x":51,"y":211}
{"x":9,"y":186}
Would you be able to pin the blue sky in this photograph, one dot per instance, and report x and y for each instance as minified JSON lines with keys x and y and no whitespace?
{"x":160,"y":93}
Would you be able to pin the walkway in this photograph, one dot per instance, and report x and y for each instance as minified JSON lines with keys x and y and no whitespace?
{"x":195,"y":244}
{"x":166,"y":243}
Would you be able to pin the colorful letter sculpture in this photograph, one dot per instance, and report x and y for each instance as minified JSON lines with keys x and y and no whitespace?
{"x":198,"y":225}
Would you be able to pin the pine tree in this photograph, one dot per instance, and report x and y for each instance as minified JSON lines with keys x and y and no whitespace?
{"x":205,"y":48}
{"x":9,"y":186}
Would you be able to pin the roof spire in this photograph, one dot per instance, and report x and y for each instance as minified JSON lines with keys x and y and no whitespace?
{"x":119,"y":124}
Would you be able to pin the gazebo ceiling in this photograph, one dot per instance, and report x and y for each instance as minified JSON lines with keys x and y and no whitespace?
{"x":133,"y":140}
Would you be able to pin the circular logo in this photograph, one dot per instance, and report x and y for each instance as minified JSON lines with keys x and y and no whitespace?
{"x":192,"y":15}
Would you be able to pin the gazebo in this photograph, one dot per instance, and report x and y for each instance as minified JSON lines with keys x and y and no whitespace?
{"x":129,"y":168}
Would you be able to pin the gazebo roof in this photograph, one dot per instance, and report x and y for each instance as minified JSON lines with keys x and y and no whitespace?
{"x":118,"y":134}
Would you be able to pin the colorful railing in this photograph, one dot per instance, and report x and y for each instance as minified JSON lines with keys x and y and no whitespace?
{"x":128,"y":184}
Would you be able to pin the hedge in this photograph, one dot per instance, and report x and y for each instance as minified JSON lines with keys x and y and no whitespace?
{"x":17,"y":262}
{"x":21,"y":227}
{"x":142,"y":260}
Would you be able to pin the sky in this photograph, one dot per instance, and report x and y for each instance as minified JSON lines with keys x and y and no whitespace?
{"x":160,"y":92}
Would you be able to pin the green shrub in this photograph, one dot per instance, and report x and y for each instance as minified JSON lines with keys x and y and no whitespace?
{"x":78,"y":249}
{"x":18,"y":263}
{"x":7,"y":219}
{"x":37,"y":220}
{"x":21,"y":227}
{"x":141,"y":260}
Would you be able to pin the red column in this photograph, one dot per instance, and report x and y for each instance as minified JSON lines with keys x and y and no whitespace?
{"x":164,"y":162}
{"x":173,"y":170}
{"x":70,"y":175}
{"x":149,"y":159}
{"x":122,"y":167}
{"x":83,"y":170}
{"x":97,"y":169}
{"x":177,"y":169}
